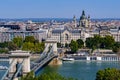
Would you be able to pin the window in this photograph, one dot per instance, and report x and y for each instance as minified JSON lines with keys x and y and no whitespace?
{"x":66,"y":36}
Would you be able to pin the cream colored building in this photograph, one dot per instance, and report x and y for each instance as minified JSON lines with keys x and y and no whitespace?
{"x":112,"y":32}
{"x":64,"y":35}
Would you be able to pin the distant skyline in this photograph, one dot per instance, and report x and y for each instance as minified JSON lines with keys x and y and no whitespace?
{"x":59,"y":8}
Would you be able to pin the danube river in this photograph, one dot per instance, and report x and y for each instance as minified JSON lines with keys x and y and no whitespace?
{"x":82,"y":70}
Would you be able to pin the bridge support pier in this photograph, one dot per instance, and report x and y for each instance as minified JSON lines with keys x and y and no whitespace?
{"x":56,"y":61}
{"x":15,"y":79}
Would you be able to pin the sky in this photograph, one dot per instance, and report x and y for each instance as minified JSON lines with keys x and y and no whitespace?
{"x":59,"y":8}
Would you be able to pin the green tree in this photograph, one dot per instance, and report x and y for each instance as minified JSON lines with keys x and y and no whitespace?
{"x":90,"y":43}
{"x":4,"y":45}
{"x":29,"y":39}
{"x":80,"y":43}
{"x":73,"y":46}
{"x":39,"y":47}
{"x":116,"y":47}
{"x":59,"y":45}
{"x":95,"y":42}
{"x":46,"y":76}
{"x":108,"y":74}
{"x":28,"y":46}
{"x":12,"y":46}
{"x":66,"y":45}
{"x":108,"y":42}
{"x":29,"y":76}
{"x":18,"y":41}
{"x":2,"y":50}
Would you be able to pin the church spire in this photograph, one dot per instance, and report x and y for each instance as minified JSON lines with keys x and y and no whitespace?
{"x":89,"y":16}
{"x":74,"y":21}
{"x":83,"y":13}
{"x":74,"y":18}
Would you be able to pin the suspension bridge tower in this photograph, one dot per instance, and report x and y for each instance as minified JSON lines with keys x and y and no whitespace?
{"x":19,"y":58}
{"x":55,"y":61}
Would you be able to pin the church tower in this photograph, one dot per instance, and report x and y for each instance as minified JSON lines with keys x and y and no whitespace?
{"x":84,"y":21}
{"x":74,"y":21}
{"x":89,"y":22}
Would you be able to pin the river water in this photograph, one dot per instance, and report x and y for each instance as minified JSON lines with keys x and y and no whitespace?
{"x":3,"y":63}
{"x":82,"y":70}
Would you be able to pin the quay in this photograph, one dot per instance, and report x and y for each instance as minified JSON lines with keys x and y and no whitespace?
{"x":105,"y":57}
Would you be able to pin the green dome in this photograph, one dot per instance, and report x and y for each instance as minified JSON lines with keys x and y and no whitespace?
{"x":83,"y":15}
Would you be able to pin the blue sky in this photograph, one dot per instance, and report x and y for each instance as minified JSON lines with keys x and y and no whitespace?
{"x":59,"y":8}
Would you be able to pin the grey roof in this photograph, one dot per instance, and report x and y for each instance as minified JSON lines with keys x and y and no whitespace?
{"x":61,"y":31}
{"x":57,"y":31}
{"x":104,"y":28}
{"x":114,"y":30}
{"x":75,"y":31}
{"x":13,"y":31}
{"x":95,"y":31}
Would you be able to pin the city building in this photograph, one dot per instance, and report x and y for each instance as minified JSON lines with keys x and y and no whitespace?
{"x":64,"y":35}
{"x":84,"y":21}
{"x":10,"y":34}
{"x":62,"y":32}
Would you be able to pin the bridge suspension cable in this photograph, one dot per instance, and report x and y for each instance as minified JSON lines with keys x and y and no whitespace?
{"x":6,"y":73}
{"x":44,"y":59}
{"x":18,"y":70}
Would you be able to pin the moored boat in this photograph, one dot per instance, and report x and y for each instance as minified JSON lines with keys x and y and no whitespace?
{"x":68,"y":59}
{"x":3,"y":67}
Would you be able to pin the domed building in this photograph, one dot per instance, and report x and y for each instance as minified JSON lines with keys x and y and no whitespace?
{"x":84,"y":21}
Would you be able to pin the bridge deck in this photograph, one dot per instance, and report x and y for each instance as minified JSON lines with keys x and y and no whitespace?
{"x":46,"y":56}
{"x":42,"y":63}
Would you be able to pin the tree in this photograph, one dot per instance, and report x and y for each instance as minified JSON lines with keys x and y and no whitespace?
{"x":4,"y":45}
{"x":39,"y":47}
{"x":18,"y":41}
{"x":73,"y":46}
{"x":46,"y":76}
{"x":2,"y":50}
{"x":116,"y":47}
{"x":90,"y":43}
{"x":108,"y":42}
{"x":29,"y":76}
{"x":66,"y":45}
{"x":28,"y":46}
{"x":97,"y":40}
{"x":59,"y":45}
{"x":12,"y":46}
{"x":108,"y":74}
{"x":29,"y":39}
{"x":80,"y":43}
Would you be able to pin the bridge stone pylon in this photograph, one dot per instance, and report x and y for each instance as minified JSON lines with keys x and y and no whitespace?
{"x":55,"y":61}
{"x":22,"y":57}
{"x":53,"y":44}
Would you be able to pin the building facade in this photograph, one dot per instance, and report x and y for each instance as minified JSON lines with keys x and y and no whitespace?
{"x":6,"y":36}
{"x":64,"y":35}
